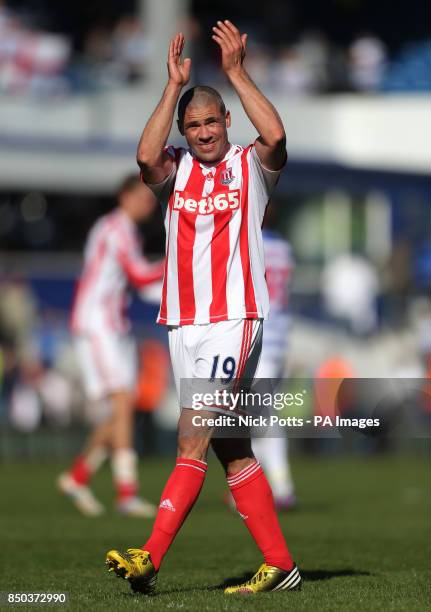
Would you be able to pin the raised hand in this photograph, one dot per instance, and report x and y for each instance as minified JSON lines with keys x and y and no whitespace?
{"x":232,"y":44}
{"x":178,"y":68}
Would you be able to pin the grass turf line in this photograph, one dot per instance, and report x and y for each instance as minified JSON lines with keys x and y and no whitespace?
{"x":360,"y":538}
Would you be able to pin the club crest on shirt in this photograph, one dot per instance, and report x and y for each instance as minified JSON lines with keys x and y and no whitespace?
{"x":226,"y":176}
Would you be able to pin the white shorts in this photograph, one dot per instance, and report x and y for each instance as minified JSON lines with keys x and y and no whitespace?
{"x":218,"y":355}
{"x":107,"y":362}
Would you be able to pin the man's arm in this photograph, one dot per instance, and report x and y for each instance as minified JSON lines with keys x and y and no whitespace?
{"x":138,"y":270}
{"x":153,"y":160}
{"x":271,"y":144}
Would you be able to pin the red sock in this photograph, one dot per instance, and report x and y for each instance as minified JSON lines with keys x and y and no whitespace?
{"x":178,"y":498}
{"x":80,"y":471}
{"x":126,"y":490}
{"x":255,"y":504}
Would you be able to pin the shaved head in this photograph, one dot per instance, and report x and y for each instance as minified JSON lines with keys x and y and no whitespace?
{"x":198,"y":97}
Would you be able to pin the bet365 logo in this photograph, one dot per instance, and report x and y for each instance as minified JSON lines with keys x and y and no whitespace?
{"x":207,"y":205}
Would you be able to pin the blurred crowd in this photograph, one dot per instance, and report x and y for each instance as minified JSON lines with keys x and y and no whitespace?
{"x":37,"y":379}
{"x":31,"y":60}
{"x":312,"y":65}
{"x":43,"y":63}
{"x":37,"y":62}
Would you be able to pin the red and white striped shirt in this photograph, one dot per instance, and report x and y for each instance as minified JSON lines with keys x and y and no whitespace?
{"x":214,"y":268}
{"x":112,"y":260}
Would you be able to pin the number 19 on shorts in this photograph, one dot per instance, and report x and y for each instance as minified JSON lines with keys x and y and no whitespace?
{"x":227,"y":367}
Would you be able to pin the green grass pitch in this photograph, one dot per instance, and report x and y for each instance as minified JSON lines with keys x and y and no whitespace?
{"x":361,"y":539}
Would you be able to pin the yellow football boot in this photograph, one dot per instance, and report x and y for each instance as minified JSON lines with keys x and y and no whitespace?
{"x":135,"y":566}
{"x":268,"y":578}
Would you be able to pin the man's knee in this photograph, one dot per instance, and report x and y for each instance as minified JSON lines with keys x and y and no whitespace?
{"x":193,"y":447}
{"x":233,"y":454}
{"x":193,"y":442}
{"x":122,"y":403}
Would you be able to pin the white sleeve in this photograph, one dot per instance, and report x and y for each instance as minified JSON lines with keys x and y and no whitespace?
{"x":163,"y":190}
{"x":268,"y":178}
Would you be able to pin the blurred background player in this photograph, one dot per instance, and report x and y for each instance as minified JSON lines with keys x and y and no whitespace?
{"x":272,"y":450}
{"x":106,"y":352}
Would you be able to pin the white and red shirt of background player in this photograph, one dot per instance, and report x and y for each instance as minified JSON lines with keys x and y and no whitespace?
{"x":214,"y":269}
{"x":112,"y":260}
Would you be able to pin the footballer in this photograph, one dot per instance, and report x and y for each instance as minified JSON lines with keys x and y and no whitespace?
{"x":214,"y":297}
{"x":106,"y":352}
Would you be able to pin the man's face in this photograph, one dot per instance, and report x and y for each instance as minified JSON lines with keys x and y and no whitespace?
{"x":205,"y":129}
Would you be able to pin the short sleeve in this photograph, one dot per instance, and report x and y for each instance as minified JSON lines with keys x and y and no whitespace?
{"x":268,"y":178}
{"x":163,"y":190}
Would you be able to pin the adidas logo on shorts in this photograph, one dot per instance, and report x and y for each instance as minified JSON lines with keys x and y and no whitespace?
{"x":167,"y":505}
